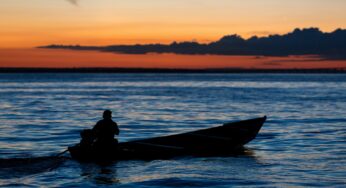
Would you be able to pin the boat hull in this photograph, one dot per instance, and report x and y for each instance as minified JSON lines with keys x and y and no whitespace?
{"x":223,"y":140}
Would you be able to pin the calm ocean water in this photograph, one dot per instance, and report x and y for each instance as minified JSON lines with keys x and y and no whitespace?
{"x":303,"y":143}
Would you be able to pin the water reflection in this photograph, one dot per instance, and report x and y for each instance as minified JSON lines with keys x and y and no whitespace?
{"x":100,"y":174}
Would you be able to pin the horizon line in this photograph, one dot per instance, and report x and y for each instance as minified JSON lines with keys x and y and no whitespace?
{"x":166,"y":70}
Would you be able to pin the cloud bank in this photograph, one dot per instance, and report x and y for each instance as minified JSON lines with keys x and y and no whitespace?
{"x":309,"y":41}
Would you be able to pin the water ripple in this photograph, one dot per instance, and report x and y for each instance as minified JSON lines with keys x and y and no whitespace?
{"x":302,"y":143}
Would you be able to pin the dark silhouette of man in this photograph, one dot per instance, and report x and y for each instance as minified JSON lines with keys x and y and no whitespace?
{"x":105,"y":130}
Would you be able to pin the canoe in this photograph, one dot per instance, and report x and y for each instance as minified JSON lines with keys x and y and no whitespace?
{"x":222,"y":140}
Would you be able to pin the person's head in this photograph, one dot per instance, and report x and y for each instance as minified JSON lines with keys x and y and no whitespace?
{"x":107,"y":114}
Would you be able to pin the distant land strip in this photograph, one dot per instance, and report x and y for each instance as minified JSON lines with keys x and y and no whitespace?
{"x":150,"y":70}
{"x":309,"y":41}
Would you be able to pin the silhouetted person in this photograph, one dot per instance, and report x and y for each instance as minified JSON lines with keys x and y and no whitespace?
{"x":87,"y":138}
{"x":105,"y":130}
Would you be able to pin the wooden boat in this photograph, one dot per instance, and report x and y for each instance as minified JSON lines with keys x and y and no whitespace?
{"x":223,"y":140}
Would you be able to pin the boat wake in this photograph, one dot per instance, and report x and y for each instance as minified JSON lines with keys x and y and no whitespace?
{"x":19,"y":167}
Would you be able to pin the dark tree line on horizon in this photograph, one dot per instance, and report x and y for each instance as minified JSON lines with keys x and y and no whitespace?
{"x":309,"y":41}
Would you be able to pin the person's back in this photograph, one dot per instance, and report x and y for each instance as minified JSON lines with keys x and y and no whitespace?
{"x":105,"y":129}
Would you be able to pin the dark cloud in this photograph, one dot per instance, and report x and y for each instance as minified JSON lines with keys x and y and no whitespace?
{"x":310,"y":41}
{"x":74,"y":2}
{"x":283,"y":61}
{"x":272,"y":63}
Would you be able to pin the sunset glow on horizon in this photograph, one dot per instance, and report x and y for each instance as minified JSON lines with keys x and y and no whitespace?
{"x":47,"y":58}
{"x":30,"y":23}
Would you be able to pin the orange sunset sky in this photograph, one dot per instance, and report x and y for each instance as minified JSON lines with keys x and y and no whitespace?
{"x":25,"y":24}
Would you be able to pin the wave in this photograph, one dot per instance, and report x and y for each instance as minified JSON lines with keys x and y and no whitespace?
{"x":19,"y":167}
